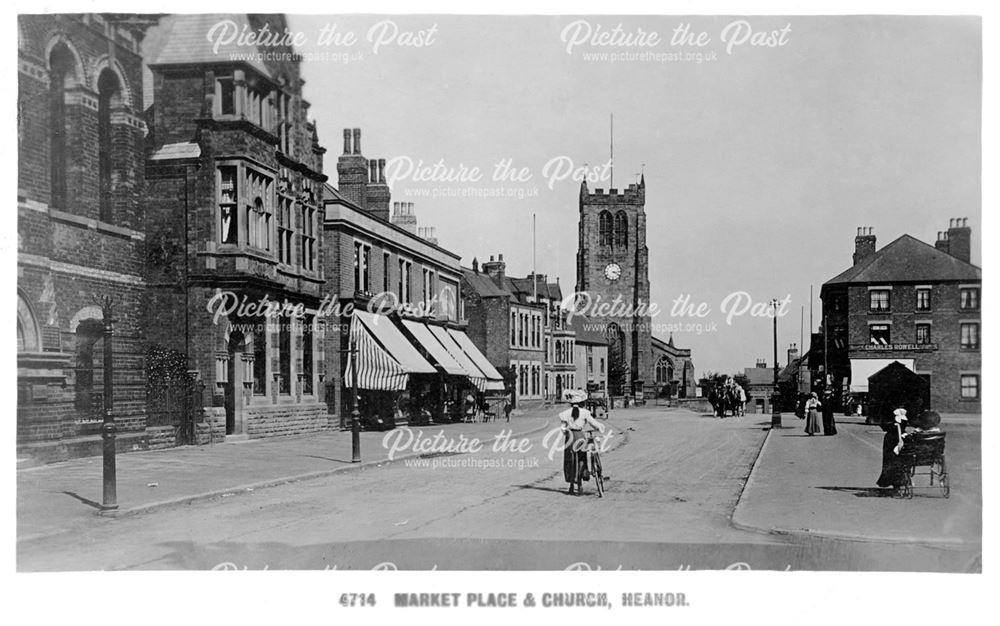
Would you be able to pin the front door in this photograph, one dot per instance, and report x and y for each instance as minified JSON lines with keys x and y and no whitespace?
{"x":235,"y":395}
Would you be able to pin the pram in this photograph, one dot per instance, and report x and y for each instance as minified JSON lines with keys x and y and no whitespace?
{"x":924,"y":450}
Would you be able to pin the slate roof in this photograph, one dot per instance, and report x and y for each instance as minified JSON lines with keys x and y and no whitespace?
{"x":908,"y":259}
{"x":483,"y":284}
{"x":185,"y":41}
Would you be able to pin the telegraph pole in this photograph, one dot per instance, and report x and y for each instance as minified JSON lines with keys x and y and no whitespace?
{"x":775,"y":410}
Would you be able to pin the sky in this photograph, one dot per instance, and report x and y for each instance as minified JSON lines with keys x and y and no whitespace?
{"x":760,"y":161}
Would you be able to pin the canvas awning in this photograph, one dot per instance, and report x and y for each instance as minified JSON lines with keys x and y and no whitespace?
{"x":494,"y":381}
{"x":438,"y":352}
{"x":385,"y":357}
{"x":861,"y":369}
{"x":476,"y":377}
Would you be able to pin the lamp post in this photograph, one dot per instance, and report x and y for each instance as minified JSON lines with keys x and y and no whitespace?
{"x":108,"y":430}
{"x":775,"y":410}
{"x":355,"y":415}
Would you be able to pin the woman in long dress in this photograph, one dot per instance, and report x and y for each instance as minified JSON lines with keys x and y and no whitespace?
{"x":812,"y":416}
{"x":575,"y":421}
{"x":892,"y":468}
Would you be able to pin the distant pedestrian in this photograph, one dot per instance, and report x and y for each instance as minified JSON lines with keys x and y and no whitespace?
{"x":829,"y":426}
{"x":508,"y":406}
{"x":812,"y":417}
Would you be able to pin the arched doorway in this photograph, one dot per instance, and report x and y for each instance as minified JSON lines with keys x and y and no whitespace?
{"x":235,"y":400}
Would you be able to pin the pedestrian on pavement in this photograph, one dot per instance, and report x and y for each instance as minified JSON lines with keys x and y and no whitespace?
{"x":508,"y":406}
{"x":893,"y":469}
{"x":829,"y":426}
{"x":812,"y":417}
{"x":575,"y":422}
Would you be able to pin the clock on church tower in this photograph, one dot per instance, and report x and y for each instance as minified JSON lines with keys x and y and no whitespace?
{"x":613,"y":263}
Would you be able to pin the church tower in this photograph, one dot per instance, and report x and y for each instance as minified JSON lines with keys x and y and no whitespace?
{"x":612,"y":267}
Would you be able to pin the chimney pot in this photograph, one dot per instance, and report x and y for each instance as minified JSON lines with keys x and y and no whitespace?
{"x":381,"y":171}
{"x":347,"y":141}
{"x":372,"y":171}
{"x":357,"y":141}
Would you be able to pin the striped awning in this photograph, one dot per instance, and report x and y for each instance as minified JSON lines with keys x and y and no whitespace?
{"x":385,"y":357}
{"x":494,"y":381}
{"x":437,"y":351}
{"x":476,"y":377}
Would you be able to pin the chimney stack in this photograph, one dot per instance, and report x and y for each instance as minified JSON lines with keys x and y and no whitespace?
{"x":864,"y":244}
{"x":404,"y":217}
{"x":377,"y":192}
{"x":960,"y":239}
{"x":475,"y":265}
{"x":352,"y":170}
{"x":793,"y":352}
{"x":496,"y":270}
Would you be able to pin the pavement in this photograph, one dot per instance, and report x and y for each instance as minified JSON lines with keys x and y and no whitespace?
{"x":825,"y":487}
{"x":61,"y":497}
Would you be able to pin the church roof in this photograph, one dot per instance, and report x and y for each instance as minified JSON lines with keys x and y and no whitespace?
{"x":908,"y":259}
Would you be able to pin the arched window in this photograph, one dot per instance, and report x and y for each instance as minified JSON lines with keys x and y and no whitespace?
{"x":108,"y":98}
{"x":27,"y":328}
{"x":621,"y":229}
{"x":606,"y":228}
{"x":62,"y":75}
{"x":662,"y":371}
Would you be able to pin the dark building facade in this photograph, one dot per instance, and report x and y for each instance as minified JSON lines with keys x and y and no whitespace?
{"x":80,"y":231}
{"x":234,"y":209}
{"x":912,"y":302}
{"x":613,"y":264}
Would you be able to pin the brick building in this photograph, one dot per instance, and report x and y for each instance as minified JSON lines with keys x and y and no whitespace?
{"x":613,"y":265}
{"x":507,"y":322}
{"x":234,"y":207}
{"x":912,"y":302}
{"x":80,"y":231}
{"x":379,"y":263}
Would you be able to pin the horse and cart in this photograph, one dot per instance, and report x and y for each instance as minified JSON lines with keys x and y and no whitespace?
{"x":728,"y":398}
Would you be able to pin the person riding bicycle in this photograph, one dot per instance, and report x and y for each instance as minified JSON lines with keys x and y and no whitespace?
{"x":577,"y":422}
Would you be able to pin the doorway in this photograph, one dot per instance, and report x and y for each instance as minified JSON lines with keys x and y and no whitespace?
{"x":235,"y":401}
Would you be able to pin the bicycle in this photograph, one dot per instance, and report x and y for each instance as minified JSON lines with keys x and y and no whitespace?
{"x":591,"y":464}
